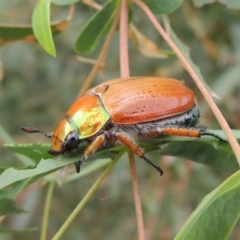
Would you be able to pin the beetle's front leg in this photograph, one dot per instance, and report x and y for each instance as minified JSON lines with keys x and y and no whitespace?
{"x":95,"y":144}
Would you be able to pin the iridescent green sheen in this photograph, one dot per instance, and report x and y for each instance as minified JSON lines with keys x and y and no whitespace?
{"x":90,"y":122}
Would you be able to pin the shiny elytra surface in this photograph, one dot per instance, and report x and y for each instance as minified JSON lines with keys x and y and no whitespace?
{"x":144,"y":99}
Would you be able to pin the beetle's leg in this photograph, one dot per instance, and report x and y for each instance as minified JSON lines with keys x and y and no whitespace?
{"x":137,"y":150}
{"x":95,"y":144}
{"x":181,"y":131}
{"x":197,"y":131}
{"x":203,"y":132}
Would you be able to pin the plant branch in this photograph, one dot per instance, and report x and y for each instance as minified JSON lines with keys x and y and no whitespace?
{"x":137,"y":199}
{"x":124,"y":69}
{"x":124,"y":62}
{"x":47,"y":210}
{"x":232,"y":140}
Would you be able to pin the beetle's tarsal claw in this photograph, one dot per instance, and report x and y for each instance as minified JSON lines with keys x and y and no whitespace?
{"x":154,"y":165}
{"x":78,"y":166}
{"x":215,"y":136}
{"x":160,"y":171}
{"x":203,"y":132}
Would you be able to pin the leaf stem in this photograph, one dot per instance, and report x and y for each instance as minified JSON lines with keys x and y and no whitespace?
{"x":124,"y":61}
{"x":124,"y":69}
{"x":137,"y":199}
{"x":47,"y":210}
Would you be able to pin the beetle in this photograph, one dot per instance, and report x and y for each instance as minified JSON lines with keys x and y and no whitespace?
{"x":125,"y":110}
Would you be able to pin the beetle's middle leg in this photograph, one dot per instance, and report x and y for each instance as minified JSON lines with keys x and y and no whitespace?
{"x":124,"y":139}
{"x":95,"y":144}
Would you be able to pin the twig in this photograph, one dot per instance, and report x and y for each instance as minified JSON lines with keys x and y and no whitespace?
{"x":124,"y":68}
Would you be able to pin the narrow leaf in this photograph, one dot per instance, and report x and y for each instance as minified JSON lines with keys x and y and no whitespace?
{"x":12,"y":33}
{"x":35,"y":151}
{"x":206,"y":151}
{"x":6,"y":230}
{"x":8,"y":206}
{"x":163,"y":6}
{"x":64,"y":2}
{"x":41,"y":26}
{"x":233,"y":4}
{"x":47,"y":166}
{"x":200,"y":3}
{"x":217,"y":214}
{"x":96,"y":28}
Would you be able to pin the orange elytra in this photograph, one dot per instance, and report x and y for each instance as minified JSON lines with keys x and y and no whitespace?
{"x":125,"y":110}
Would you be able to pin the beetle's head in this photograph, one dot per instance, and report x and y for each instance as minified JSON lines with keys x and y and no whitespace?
{"x":64,"y":138}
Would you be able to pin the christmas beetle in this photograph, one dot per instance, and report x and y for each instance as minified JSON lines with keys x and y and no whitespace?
{"x":125,"y":110}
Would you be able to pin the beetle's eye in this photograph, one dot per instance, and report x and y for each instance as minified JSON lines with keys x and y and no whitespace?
{"x":72,"y":140}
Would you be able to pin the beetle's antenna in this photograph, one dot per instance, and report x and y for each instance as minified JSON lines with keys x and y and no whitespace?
{"x":31,"y":130}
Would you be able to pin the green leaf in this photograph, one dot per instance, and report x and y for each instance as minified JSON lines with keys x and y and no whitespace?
{"x":64,"y":2}
{"x":45,"y":167}
{"x":35,"y":151}
{"x":12,"y":33}
{"x":41,"y":26}
{"x":6,"y":138}
{"x":233,"y":4}
{"x":96,"y":28}
{"x":6,"y":230}
{"x":14,"y":190}
{"x":200,"y":3}
{"x":217,"y":214}
{"x":8,"y":206}
{"x":11,"y":175}
{"x":163,"y":6}
{"x":206,"y":150}
{"x":213,"y":153}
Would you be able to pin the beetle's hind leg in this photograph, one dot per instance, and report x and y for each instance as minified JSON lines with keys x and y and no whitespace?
{"x":124,"y":139}
{"x":95,"y":144}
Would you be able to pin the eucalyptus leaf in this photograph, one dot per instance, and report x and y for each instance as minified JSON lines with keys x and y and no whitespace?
{"x":64,"y":2}
{"x":35,"y":151}
{"x":96,"y":28}
{"x":9,"y":206}
{"x":232,"y":4}
{"x":217,"y":214}
{"x":200,"y":3}
{"x":13,"y":33}
{"x":41,"y":26}
{"x":163,"y":6}
{"x":207,"y":150}
{"x":6,"y":230}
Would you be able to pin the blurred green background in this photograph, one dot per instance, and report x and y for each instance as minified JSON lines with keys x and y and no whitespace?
{"x":37,"y":89}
